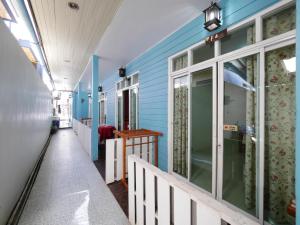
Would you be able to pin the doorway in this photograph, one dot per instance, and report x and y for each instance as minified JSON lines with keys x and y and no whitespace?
{"x":126,"y":110}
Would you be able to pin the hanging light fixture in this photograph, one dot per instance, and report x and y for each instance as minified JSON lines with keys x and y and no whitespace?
{"x":212,"y":17}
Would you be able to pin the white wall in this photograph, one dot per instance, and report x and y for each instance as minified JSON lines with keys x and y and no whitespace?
{"x":25,"y":112}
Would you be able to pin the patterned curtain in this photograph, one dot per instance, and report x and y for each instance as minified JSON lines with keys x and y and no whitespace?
{"x":279,"y":135}
{"x":250,"y":146}
{"x":279,"y":122}
{"x":180,"y":132}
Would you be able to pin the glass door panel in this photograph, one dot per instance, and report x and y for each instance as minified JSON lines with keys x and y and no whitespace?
{"x":280,"y":120}
{"x":201,"y":158}
{"x":240,"y":145}
{"x":133,"y":108}
{"x":120,"y":111}
{"x":180,"y":126}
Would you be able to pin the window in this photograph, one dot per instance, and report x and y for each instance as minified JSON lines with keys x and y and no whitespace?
{"x":279,"y":23}
{"x":180,"y":62}
{"x":203,"y":53}
{"x":238,"y":39}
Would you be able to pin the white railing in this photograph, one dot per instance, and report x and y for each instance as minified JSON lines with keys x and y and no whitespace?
{"x":159,"y":198}
{"x":84,"y":135}
{"x":114,"y":156}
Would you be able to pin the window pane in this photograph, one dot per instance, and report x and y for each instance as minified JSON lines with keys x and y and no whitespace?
{"x":119,"y":112}
{"x":180,"y":126}
{"x":102,"y":112}
{"x":201,"y":129}
{"x":135,"y":79}
{"x":238,"y":39}
{"x":280,"y":123}
{"x":279,"y":23}
{"x":180,"y":62}
{"x":203,"y":53}
{"x":133,"y":108}
{"x":240,"y":138}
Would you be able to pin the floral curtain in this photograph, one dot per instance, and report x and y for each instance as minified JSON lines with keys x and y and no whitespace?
{"x":279,"y":122}
{"x":250,"y":145}
{"x":279,"y":135}
{"x":180,"y":129}
{"x":180,"y":62}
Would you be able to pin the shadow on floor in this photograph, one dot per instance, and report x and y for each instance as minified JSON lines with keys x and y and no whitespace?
{"x":117,"y":188}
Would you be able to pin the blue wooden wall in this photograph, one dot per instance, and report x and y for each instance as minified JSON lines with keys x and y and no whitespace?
{"x":153,"y":68}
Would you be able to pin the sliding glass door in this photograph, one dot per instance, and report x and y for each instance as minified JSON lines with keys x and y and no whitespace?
{"x":194,"y":127}
{"x":180,"y":125}
{"x":133,"y":108}
{"x":238,"y":132}
{"x":202,"y":154}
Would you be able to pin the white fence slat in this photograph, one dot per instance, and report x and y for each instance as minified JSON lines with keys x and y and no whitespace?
{"x":182,"y":207}
{"x":109,"y":161}
{"x":207,"y":216}
{"x":131,"y":194}
{"x":139,"y":195}
{"x":163,"y":201}
{"x":119,"y":159}
{"x":150,"y":198}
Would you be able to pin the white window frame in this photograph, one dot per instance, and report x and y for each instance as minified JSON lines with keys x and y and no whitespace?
{"x":120,"y":92}
{"x":102,"y":97}
{"x":260,"y":47}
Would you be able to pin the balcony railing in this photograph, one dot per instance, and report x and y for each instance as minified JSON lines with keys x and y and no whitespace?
{"x":156,"y":197}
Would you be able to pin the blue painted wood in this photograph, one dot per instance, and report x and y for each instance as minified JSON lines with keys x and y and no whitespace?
{"x":95,"y":107}
{"x":153,"y":68}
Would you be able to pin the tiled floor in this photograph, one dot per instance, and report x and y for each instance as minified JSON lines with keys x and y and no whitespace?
{"x":70,"y":190}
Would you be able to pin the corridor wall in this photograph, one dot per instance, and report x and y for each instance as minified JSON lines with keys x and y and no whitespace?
{"x":25,"y":119}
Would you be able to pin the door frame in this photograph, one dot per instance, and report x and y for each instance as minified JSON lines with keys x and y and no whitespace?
{"x":118,"y":93}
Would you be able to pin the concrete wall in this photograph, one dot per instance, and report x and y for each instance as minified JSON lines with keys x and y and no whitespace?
{"x":25,"y":118}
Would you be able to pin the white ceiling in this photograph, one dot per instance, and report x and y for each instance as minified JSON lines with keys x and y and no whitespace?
{"x":139,"y":25}
{"x":69,"y":36}
{"x":117,"y":30}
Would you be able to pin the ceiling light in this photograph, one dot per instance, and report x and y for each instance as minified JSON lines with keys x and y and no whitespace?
{"x":5,"y":12}
{"x":28,"y":52}
{"x":73,"y":5}
{"x":290,"y":64}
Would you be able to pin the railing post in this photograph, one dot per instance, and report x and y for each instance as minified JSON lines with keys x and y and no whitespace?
{"x":156,"y":151}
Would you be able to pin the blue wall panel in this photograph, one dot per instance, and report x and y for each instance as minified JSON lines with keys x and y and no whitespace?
{"x":153,"y":68}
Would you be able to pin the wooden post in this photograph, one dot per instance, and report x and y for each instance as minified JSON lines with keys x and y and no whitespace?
{"x":156,"y":151}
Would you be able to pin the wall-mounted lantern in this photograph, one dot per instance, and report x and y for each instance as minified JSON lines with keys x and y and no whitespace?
{"x":212,"y":17}
{"x":122,"y":72}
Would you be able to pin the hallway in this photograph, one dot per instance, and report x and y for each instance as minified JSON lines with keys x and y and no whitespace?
{"x":69,"y":189}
